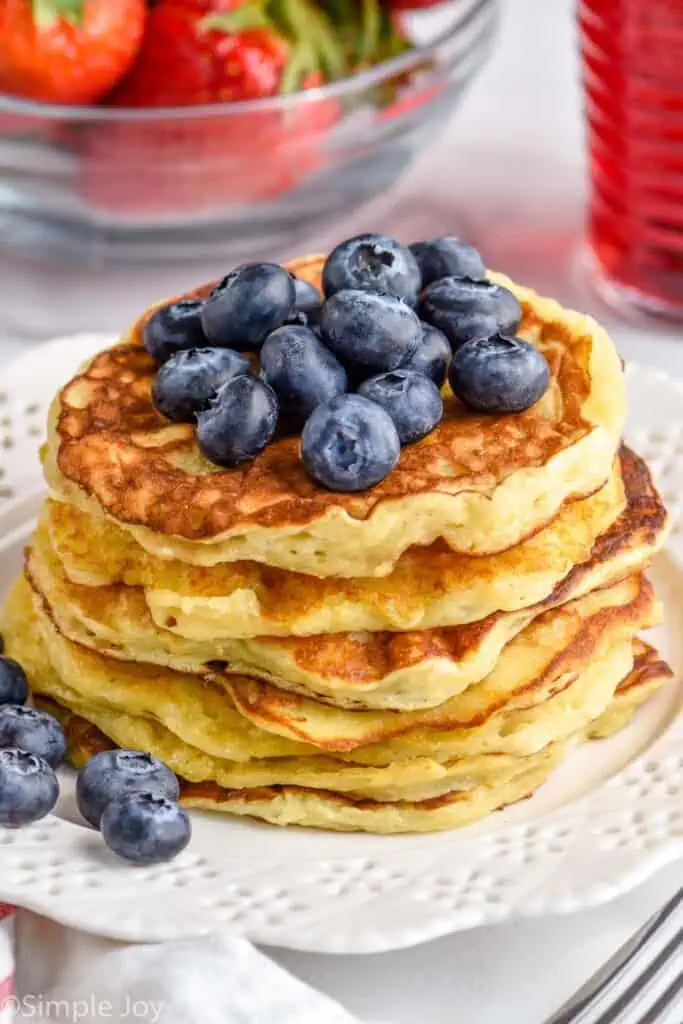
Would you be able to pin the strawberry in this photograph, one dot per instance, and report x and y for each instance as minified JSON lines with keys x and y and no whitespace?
{"x":68,"y":51}
{"x":209,"y":51}
{"x":213,"y":51}
{"x":186,"y":59}
{"x":205,"y":166}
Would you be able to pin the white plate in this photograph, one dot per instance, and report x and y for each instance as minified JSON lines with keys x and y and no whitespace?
{"x":608,"y":818}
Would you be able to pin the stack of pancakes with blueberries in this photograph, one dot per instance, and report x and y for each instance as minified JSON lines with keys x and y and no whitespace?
{"x":352,"y":543}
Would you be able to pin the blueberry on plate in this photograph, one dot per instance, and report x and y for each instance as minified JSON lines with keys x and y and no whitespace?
{"x":13,"y":682}
{"x":28,"y":788}
{"x":301,"y":371}
{"x":188,"y":381}
{"x":373,"y":263}
{"x":447,"y":257}
{"x":248,"y":304}
{"x":306,"y":298}
{"x":374,"y":332}
{"x":115,"y":774}
{"x":498,"y":375}
{"x":349,"y":444}
{"x":412,"y":400}
{"x":174,"y":328}
{"x":145,"y":829}
{"x":465,"y":309}
{"x":34,"y":731}
{"x":239,"y":423}
{"x":431,"y":357}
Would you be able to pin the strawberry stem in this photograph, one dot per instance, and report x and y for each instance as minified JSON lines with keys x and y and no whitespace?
{"x":371,"y":31}
{"x":302,"y":62}
{"x":240,"y":20}
{"x":304,"y":20}
{"x":47,"y":12}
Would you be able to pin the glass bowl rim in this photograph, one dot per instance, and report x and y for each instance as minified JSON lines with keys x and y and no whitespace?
{"x":345,"y":86}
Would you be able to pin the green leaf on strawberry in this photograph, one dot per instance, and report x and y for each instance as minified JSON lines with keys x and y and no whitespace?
{"x":314,"y":51}
{"x":371,"y":30}
{"x":240,"y":20}
{"x":304,"y":22}
{"x":47,"y":12}
{"x":328,"y":39}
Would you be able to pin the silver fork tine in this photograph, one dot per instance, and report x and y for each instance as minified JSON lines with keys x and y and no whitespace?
{"x":630,"y":972}
{"x":669,"y":1000}
{"x":626,"y":1005}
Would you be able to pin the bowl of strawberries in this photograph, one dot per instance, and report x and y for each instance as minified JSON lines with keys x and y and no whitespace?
{"x":134,"y":128}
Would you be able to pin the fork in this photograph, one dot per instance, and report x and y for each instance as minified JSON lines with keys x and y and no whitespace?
{"x":643,"y":981}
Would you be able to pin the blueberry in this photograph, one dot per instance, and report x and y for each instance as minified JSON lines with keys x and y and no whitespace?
{"x":174,"y":328}
{"x":431,"y":357}
{"x":349,"y":444}
{"x":239,"y":423}
{"x":465,"y":309}
{"x":306,"y":297}
{"x":412,"y":400}
{"x":188,"y":381}
{"x":33,"y":731}
{"x":115,"y":774}
{"x":145,"y":829}
{"x":28,"y":788}
{"x":498,"y":375}
{"x":374,"y":332}
{"x":301,"y":371}
{"x":13,"y":682}
{"x":447,"y":257}
{"x":248,"y":304}
{"x":373,"y":263}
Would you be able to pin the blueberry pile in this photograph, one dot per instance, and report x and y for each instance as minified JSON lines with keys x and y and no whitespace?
{"x":31,"y":746}
{"x":358,"y":373}
{"x":131,"y":797}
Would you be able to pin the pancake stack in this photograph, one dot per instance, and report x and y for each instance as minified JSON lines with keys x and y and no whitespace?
{"x":409,"y":658}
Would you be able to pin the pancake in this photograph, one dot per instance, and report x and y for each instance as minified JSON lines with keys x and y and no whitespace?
{"x":317,"y":807}
{"x":481,"y":483}
{"x":403,"y":671}
{"x":516,"y":713}
{"x":292,"y":805}
{"x":541,"y":661}
{"x":649,"y":673}
{"x":420,"y":778}
{"x":429,"y":586}
{"x":196,"y":710}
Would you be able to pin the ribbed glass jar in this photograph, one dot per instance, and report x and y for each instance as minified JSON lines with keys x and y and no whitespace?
{"x":632,"y":54}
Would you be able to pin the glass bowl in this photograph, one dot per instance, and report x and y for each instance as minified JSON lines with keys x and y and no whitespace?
{"x":235,"y":180}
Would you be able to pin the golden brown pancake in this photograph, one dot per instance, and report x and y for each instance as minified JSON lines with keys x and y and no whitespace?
{"x":541,"y":661}
{"x":429,"y":586}
{"x":482,"y":483}
{"x":550,"y":682}
{"x":286,"y":805}
{"x":406,"y":671}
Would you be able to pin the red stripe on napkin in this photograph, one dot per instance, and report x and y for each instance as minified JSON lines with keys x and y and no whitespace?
{"x":6,"y":991}
{"x":5,"y":911}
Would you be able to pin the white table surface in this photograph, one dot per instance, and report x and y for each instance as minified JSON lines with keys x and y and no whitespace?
{"x":508,"y":174}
